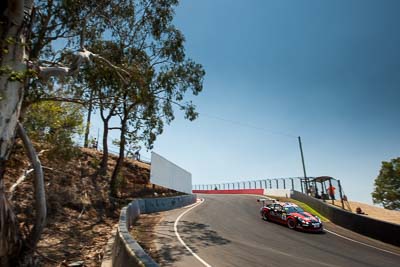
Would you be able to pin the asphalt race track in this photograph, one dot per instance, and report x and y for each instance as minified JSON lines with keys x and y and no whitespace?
{"x":226,"y":230}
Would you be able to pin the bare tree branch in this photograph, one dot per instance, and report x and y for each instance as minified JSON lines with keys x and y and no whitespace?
{"x":82,"y":56}
{"x":40,"y":197}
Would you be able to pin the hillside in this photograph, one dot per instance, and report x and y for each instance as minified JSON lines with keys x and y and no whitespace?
{"x":80,"y":213}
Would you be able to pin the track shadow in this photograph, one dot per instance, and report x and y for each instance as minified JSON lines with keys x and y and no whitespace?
{"x":195,"y":235}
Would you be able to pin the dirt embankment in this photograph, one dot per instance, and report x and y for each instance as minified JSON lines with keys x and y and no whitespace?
{"x":81,"y":215}
{"x":372,"y":211}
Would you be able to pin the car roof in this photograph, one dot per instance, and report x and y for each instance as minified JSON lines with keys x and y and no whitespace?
{"x":286,"y":204}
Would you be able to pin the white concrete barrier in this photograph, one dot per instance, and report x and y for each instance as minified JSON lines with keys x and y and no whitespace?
{"x":278,"y":192}
{"x":169,"y":175}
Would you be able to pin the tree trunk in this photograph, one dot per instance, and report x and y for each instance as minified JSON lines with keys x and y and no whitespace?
{"x":87,"y":130}
{"x":120,"y":160}
{"x":40,"y":195}
{"x":104,"y":159}
{"x":13,"y":64}
{"x":10,"y":241}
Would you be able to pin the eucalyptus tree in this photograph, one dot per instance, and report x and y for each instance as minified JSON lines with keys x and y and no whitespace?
{"x":28,"y":67}
{"x":387,"y":185}
{"x":159,"y":75}
{"x":105,"y":88}
{"x":43,"y":43}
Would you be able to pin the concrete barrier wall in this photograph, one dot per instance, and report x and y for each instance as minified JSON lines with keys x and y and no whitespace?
{"x":237,"y":191}
{"x":126,"y":251}
{"x":166,"y":173}
{"x":381,"y":230}
{"x":277,"y":192}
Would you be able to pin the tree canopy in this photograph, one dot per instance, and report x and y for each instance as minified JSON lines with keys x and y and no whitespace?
{"x":137,"y":67}
{"x":387,"y":185}
{"x":56,"y":124}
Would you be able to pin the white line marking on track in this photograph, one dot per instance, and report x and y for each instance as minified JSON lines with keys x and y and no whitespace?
{"x":333,"y":233}
{"x":180,"y":239}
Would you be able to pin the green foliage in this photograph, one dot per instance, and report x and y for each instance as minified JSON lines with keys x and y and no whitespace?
{"x":55,"y":123}
{"x":387,"y":185}
{"x":19,"y":76}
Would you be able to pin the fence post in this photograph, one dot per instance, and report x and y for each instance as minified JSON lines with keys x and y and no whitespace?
{"x":341,"y":193}
{"x":301,"y":184}
{"x":284,"y":183}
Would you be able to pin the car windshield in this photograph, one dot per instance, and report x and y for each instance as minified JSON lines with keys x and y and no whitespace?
{"x":291,"y":209}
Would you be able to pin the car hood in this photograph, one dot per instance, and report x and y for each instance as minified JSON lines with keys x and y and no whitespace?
{"x":305,"y":216}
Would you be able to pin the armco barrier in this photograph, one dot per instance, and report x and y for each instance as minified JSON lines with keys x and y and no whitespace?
{"x":237,"y":191}
{"x":126,"y":251}
{"x":384,"y":231}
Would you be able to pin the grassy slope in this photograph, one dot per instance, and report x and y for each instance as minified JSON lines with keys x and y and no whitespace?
{"x":302,"y":205}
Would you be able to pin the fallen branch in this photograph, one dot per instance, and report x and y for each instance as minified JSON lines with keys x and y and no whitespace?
{"x":19,"y":181}
{"x":80,"y":215}
{"x":42,"y":151}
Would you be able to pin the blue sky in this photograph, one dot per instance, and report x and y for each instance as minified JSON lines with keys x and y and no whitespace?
{"x":328,"y":71}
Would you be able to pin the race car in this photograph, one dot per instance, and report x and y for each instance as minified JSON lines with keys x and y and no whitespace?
{"x":291,"y":215}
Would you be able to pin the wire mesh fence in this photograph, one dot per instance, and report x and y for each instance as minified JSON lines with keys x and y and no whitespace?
{"x":293,"y":183}
{"x":322,"y":187}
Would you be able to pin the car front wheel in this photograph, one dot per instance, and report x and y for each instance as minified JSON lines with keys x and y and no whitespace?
{"x":265,"y":216}
{"x":291,"y":223}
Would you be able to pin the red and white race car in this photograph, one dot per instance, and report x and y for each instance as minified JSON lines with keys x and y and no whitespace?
{"x":290,"y":214}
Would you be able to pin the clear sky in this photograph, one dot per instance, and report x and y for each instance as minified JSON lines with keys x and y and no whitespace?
{"x":328,"y":71}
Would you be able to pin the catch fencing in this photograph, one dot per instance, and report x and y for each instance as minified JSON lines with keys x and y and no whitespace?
{"x":325,"y":188}
{"x":293,"y":183}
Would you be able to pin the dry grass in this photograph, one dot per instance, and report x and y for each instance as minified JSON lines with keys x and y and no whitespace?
{"x":372,"y":211}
